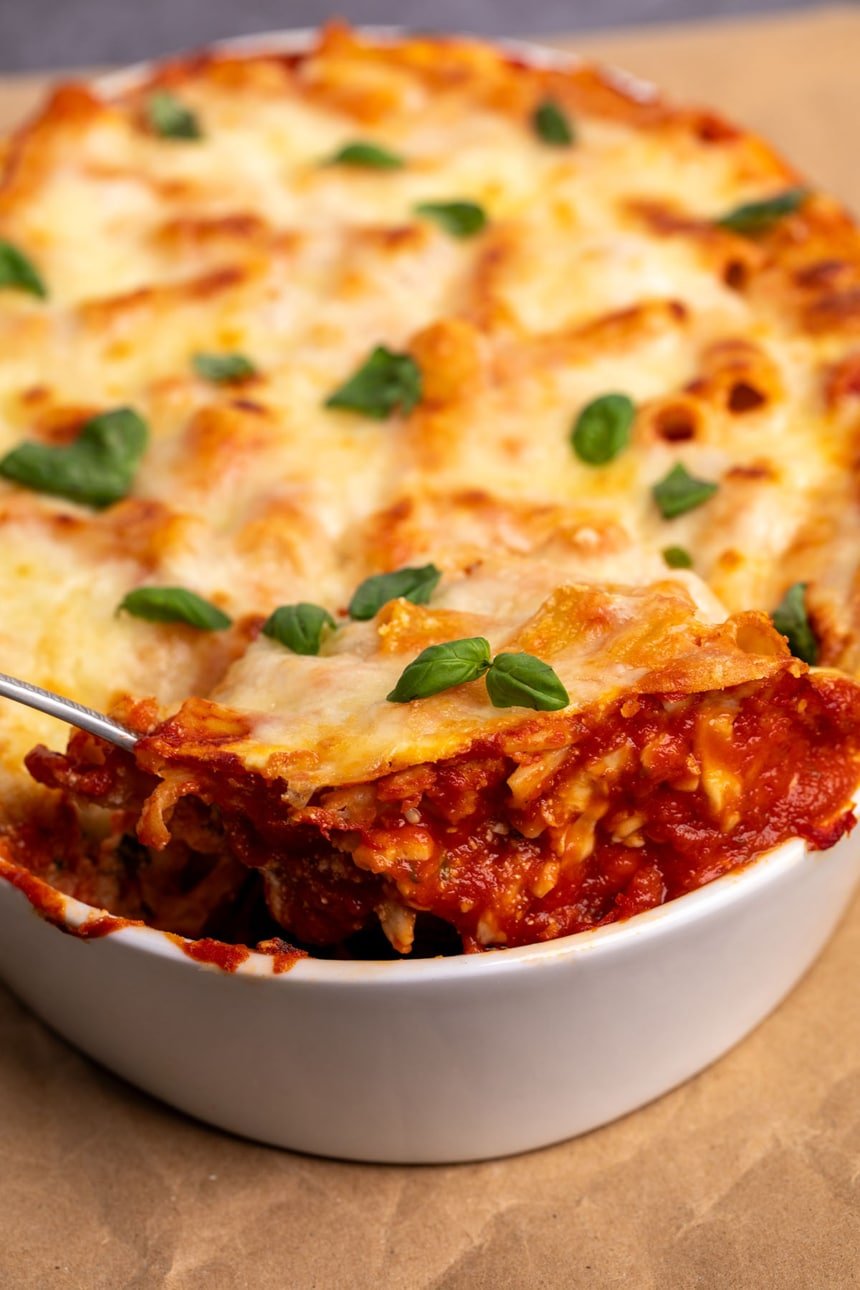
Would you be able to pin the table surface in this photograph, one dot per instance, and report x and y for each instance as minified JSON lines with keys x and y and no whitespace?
{"x":745,"y":1177}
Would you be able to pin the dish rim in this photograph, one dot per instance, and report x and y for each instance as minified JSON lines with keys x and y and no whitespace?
{"x":684,"y":910}
{"x":295,"y":39}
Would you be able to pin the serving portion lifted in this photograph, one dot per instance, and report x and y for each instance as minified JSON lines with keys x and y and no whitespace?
{"x":447,"y":465}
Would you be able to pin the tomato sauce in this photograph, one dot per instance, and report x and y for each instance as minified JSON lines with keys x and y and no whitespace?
{"x":50,"y":904}
{"x":637,"y":804}
{"x":451,"y":841}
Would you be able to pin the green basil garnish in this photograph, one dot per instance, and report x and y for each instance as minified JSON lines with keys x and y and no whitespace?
{"x":18,"y":273}
{"x":415,"y":584}
{"x":439,"y":667}
{"x":552,"y":124}
{"x":513,"y":680}
{"x":385,"y":381}
{"x":677,"y":557}
{"x":97,"y":469}
{"x":299,"y":627}
{"x":166,"y":115}
{"x":362,"y":153}
{"x":174,"y":605}
{"x":679,"y":492}
{"x":461,"y":219}
{"x":223,"y":369}
{"x":792,"y":621}
{"x":758,"y":217}
{"x":523,"y":681}
{"x":602,"y":428}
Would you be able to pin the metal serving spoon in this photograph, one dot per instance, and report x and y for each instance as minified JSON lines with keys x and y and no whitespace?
{"x":66,"y":710}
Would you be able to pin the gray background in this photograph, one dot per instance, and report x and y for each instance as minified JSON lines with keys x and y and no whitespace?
{"x":37,"y":34}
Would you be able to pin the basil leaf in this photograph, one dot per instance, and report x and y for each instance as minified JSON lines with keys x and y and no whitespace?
{"x":167,"y":116}
{"x":602,"y":428}
{"x":18,"y":273}
{"x":97,"y":469}
{"x":677,"y":557}
{"x":372,"y":155}
{"x":439,"y":667}
{"x":223,"y":369}
{"x":384,"y":382}
{"x":461,"y":219}
{"x":299,"y":627}
{"x":174,"y":605}
{"x":415,"y":584}
{"x":680,"y":492}
{"x":523,"y":681}
{"x":791,"y":619}
{"x":552,"y":124}
{"x":758,"y":217}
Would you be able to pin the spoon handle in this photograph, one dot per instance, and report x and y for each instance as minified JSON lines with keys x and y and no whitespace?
{"x":66,"y":710}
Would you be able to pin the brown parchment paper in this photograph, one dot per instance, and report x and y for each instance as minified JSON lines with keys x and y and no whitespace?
{"x":748,"y":1176}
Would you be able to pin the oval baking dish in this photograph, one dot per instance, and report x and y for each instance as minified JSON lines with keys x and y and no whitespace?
{"x":439,"y":1059}
{"x":434,"y":1060}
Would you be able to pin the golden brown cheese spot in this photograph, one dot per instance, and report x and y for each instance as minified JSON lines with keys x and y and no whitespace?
{"x":676,"y":419}
{"x":811,"y":269}
{"x":37,"y":146}
{"x":197,"y":240}
{"x":734,"y":652}
{"x":662,"y":216}
{"x":220,"y":439}
{"x":60,"y":424}
{"x":842,"y":382}
{"x":348,"y":78}
{"x":754,"y":634}
{"x":495,"y":265}
{"x":738,"y":376}
{"x":99,"y":315}
{"x":405,"y":628}
{"x":567,"y":618}
{"x":145,"y":528}
{"x":753,"y":471}
{"x":642,"y":643}
{"x":461,"y":529}
{"x":731,"y":258}
{"x":449,"y":355}
{"x":618,"y":330}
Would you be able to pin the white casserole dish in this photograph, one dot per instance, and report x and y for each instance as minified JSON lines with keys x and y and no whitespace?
{"x":438,"y":1059}
{"x":442,"y":1059}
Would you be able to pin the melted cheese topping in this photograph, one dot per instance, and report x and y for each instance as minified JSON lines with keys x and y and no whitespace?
{"x":600,"y":269}
{"x":324,"y":720}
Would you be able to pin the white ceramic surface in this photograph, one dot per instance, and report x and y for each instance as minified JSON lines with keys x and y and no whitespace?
{"x":440,"y":1059}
